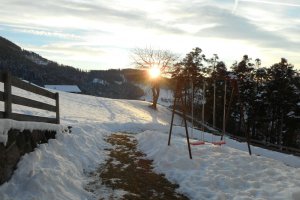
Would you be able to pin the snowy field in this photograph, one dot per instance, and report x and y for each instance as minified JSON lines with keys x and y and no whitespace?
{"x":58,"y":170}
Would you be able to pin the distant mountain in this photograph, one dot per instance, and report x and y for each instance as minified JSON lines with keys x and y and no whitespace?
{"x":34,"y":68}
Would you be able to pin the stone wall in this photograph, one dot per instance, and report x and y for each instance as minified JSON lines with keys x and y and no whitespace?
{"x":18,"y":144}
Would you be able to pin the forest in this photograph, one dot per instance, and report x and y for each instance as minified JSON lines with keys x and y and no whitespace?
{"x":263,"y":102}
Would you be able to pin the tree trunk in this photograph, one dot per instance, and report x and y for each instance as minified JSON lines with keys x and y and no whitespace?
{"x":155,"y":95}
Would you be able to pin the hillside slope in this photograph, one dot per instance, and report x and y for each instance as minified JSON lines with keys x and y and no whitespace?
{"x":59,"y":169}
{"x":34,"y":68}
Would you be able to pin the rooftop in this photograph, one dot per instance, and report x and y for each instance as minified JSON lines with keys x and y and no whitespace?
{"x":65,"y":88}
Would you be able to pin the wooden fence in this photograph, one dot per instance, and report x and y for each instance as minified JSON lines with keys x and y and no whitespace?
{"x":8,"y":98}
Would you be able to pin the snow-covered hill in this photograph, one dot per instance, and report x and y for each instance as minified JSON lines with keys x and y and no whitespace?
{"x":58,"y":170}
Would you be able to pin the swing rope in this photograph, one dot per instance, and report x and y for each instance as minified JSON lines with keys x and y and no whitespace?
{"x":192,"y":109}
{"x":222,"y":141}
{"x":199,"y":142}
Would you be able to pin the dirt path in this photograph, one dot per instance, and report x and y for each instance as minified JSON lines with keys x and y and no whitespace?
{"x":127,"y":170}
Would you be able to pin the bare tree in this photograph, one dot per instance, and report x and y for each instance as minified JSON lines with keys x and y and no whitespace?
{"x":161,"y":60}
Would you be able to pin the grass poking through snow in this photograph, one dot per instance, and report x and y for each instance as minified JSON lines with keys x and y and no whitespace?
{"x":127,"y":170}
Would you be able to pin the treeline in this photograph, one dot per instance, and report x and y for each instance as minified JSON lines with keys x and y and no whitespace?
{"x":40,"y":71}
{"x":261,"y":101}
{"x":34,"y":68}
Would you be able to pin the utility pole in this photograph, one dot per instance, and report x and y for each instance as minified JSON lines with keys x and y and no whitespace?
{"x":192,"y":107}
{"x":203,"y":98}
{"x":224,"y":110}
{"x":214,"y":106}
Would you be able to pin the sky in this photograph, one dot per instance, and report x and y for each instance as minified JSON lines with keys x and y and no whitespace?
{"x":98,"y":34}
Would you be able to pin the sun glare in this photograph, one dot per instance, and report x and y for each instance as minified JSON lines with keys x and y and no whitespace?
{"x":154,"y":72}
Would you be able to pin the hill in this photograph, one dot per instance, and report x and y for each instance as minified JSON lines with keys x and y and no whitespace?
{"x":34,"y":68}
{"x":65,"y":164}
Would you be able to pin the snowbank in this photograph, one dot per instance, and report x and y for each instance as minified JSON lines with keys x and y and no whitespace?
{"x":219,"y":172}
{"x":58,"y":170}
{"x":8,"y":124}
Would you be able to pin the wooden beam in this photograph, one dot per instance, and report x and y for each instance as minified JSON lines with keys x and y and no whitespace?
{"x":186,"y":128}
{"x":8,"y":99}
{"x":57,"y":108}
{"x":7,"y":95}
{"x":1,"y":114}
{"x":32,"y":103}
{"x":1,"y":77}
{"x":172,"y":119}
{"x":21,"y":117}
{"x":31,"y":88}
{"x":1,"y":96}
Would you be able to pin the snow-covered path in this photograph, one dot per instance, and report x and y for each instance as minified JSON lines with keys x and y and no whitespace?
{"x":58,"y":170}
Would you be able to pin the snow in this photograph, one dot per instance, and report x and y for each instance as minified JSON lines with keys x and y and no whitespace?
{"x":64,"y":88}
{"x":36,"y":59}
{"x":7,"y":124}
{"x":100,"y":81}
{"x":119,"y":82}
{"x":232,"y":76}
{"x":219,"y":172}
{"x":60,"y":168}
{"x":290,"y":113}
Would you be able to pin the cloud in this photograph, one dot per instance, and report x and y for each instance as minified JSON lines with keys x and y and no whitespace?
{"x":50,"y":33}
{"x":239,"y":27}
{"x":86,"y":16}
{"x":119,"y":25}
{"x":273,"y":2}
{"x":75,"y":54}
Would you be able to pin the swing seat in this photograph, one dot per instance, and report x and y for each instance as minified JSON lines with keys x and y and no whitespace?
{"x":197,"y":143}
{"x":219,"y":142}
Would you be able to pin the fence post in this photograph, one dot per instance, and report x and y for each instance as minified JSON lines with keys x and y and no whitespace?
{"x":7,"y":95}
{"x":57,"y":107}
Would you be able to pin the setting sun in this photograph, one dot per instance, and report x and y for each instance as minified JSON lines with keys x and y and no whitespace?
{"x":154,"y":72}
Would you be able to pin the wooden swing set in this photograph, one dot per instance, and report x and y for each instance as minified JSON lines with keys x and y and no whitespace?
{"x":178,"y":101}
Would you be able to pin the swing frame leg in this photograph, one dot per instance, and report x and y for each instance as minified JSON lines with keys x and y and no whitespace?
{"x":185,"y":125}
{"x":171,"y":127}
{"x":186,"y":130}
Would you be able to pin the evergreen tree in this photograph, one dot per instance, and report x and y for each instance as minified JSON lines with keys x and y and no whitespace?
{"x":243,"y":109}
{"x":283,"y":96}
{"x":190,"y":70}
{"x":260,"y":104}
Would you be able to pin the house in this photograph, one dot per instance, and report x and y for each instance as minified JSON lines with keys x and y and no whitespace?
{"x":64,"y":88}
